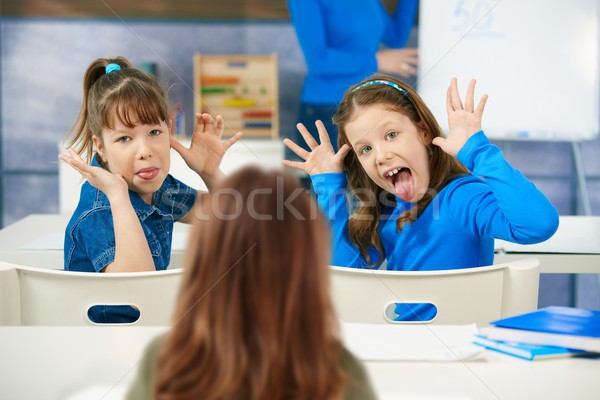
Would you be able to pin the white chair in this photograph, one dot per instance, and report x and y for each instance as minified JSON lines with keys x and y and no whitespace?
{"x":37,"y":296}
{"x":462,"y":296}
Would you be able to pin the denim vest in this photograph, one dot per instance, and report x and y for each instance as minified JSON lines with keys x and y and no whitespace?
{"x":90,"y":235}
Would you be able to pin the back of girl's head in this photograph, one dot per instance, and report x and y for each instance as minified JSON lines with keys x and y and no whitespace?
{"x":254,"y":318}
{"x":255,"y":230}
{"x":125,"y":95}
{"x":396,"y":96}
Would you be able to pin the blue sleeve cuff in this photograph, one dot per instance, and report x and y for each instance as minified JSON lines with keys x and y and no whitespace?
{"x":471,"y":148}
{"x":329,"y":180}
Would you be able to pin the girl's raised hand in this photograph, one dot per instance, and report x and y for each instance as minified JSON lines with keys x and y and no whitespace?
{"x":463,"y":122}
{"x":321,"y":159}
{"x":105,"y":181}
{"x":206,"y":150}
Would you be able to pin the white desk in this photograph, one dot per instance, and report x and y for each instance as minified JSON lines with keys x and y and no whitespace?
{"x":56,"y":362}
{"x":18,"y":241}
{"x":574,"y":248}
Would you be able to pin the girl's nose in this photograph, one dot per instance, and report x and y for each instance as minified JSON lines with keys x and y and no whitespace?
{"x":382,"y":156}
{"x":144,"y":152}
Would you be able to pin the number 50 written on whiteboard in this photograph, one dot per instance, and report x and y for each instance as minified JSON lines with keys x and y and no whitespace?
{"x":475,"y":17}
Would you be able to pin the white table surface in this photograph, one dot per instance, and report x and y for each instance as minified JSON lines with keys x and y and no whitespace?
{"x":575,"y":248}
{"x":17,"y":241}
{"x":99,"y":362}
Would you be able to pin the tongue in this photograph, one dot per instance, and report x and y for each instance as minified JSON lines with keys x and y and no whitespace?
{"x":149,"y":174}
{"x":404,"y":185}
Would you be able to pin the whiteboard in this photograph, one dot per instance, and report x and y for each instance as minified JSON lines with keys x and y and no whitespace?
{"x":536,"y":59}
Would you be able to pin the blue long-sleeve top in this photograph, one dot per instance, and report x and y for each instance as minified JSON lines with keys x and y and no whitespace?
{"x":458,"y":227}
{"x":339,"y":40}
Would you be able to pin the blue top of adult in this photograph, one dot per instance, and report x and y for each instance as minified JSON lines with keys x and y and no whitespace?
{"x":339,"y":40}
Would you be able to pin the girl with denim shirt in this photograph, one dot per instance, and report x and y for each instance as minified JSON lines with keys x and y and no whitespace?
{"x":129,"y":202}
{"x":418,"y":200}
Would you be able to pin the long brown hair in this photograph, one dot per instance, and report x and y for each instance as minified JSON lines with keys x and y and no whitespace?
{"x":128,"y":95}
{"x":371,"y":200}
{"x":254,"y":319}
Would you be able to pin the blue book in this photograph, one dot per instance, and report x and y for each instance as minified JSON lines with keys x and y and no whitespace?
{"x":523,"y":350}
{"x":569,"y":327}
{"x":563,"y":320}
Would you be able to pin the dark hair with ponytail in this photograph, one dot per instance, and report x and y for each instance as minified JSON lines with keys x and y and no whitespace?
{"x":126,"y":94}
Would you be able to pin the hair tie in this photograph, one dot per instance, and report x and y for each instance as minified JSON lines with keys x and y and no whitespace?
{"x":112,"y":67}
{"x":384,"y":82}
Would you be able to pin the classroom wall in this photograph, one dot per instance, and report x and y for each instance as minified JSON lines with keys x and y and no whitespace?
{"x":41,"y":68}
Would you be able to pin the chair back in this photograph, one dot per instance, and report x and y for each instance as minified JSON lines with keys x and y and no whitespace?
{"x":10,"y":302}
{"x":461,"y":296}
{"x":55,"y":297}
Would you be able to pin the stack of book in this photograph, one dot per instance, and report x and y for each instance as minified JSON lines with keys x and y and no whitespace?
{"x":547,"y":332}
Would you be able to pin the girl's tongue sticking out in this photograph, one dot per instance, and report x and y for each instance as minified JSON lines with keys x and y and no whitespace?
{"x":404,"y":184}
{"x":148,"y":173}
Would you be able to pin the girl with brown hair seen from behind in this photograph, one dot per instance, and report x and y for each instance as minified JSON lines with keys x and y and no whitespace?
{"x":254,"y":319}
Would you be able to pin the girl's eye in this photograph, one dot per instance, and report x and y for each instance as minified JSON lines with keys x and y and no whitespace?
{"x":154,"y":132}
{"x":123,"y":139}
{"x":391,"y":135}
{"x":365,"y":149}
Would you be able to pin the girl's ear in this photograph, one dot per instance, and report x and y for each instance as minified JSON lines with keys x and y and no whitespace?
{"x":99,"y":145}
{"x":425,"y":134}
{"x":171,"y":127}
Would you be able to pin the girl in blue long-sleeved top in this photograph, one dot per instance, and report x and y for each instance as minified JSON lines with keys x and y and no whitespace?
{"x":418,"y":199}
{"x":341,"y":43}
